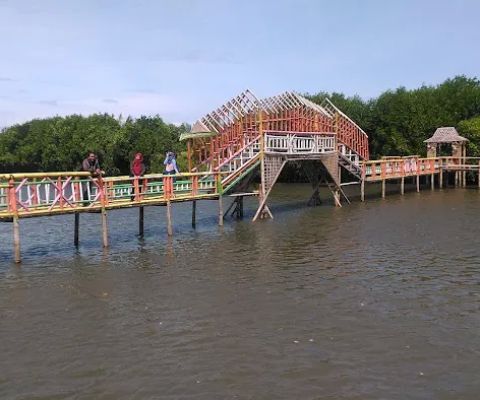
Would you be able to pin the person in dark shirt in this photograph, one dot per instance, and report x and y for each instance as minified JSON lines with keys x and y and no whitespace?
{"x":90,"y":164}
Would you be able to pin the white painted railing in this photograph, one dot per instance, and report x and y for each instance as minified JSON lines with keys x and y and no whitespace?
{"x":241,"y":158}
{"x":299,"y":143}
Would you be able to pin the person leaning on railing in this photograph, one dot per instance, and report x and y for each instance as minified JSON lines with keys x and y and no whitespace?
{"x":170,"y":164}
{"x":90,"y":164}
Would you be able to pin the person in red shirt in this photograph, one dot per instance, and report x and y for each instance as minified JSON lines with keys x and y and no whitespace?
{"x":137,"y":166}
{"x":137,"y":169}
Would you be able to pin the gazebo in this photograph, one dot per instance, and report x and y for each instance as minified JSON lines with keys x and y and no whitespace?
{"x":446,"y":135}
{"x":449,"y":135}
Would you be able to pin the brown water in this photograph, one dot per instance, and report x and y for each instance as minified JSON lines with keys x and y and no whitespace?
{"x":377,"y":300}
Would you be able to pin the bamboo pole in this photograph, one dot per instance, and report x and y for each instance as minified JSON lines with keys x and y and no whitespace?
{"x":76,"y":230}
{"x":16,"y":240}
{"x":383,"y":188}
{"x":479,"y":174}
{"x":169,"y":219}
{"x":140,"y":221}
{"x":194,"y":213}
{"x":220,"y":210}
{"x":104,"y":227}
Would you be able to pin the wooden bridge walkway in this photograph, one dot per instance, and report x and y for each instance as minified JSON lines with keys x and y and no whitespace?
{"x":244,"y":139}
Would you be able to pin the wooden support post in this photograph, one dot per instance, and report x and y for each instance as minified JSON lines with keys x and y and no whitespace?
{"x":220,"y":210}
{"x":362,"y":190}
{"x":16,"y":240}
{"x":76,"y":230}
{"x":440,"y":179}
{"x":169,"y":219}
{"x":432,"y":181}
{"x":402,"y":185}
{"x":336,"y":198}
{"x":479,"y":174}
{"x":418,"y":183}
{"x":383,"y":188}
{"x":140,"y":220}
{"x":194,"y":213}
{"x":104,"y":227}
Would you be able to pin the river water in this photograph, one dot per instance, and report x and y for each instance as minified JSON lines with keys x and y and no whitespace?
{"x":375,"y":300}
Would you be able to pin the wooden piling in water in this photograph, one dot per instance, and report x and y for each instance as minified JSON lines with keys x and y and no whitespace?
{"x":104,"y":227}
{"x":140,"y":221}
{"x":76,"y":230}
{"x":383,"y":188}
{"x":402,"y":185}
{"x":418,"y":183}
{"x":220,"y":210}
{"x":194,"y":213}
{"x":362,"y":190}
{"x":16,"y":240}
{"x":432,"y":181}
{"x":169,"y":219}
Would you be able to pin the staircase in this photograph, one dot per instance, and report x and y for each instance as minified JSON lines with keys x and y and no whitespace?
{"x":240,"y":164}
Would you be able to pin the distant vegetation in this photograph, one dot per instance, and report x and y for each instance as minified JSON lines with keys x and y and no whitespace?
{"x":61,"y":143}
{"x":397,"y":122}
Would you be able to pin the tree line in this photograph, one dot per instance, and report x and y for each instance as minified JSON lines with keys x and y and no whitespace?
{"x":61,"y":143}
{"x":397,"y":122}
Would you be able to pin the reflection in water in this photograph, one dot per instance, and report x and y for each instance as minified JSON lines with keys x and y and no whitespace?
{"x":377,"y":300}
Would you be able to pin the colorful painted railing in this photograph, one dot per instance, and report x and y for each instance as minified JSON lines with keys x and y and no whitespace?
{"x":398,"y":167}
{"x":34,"y":194}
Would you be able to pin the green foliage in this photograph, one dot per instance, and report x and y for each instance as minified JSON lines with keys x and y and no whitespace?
{"x":61,"y":143}
{"x":470,"y":129}
{"x":398,"y":121}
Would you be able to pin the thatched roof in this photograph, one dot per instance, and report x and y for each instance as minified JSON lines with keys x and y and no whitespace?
{"x":446,"y":134}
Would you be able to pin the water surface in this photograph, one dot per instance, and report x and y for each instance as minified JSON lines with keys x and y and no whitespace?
{"x":377,"y":300}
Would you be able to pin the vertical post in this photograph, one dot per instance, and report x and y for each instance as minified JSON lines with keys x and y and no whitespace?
{"x":432,"y":181}
{"x":402,"y":185}
{"x":103,"y":201}
{"x":479,"y":174}
{"x":418,"y":183}
{"x":336,"y":198}
{"x":76,"y":229}
{"x":464,"y":162}
{"x":383,"y":188}
{"x":440,"y":178}
{"x":140,"y":220}
{"x":220,"y":210}
{"x":362,"y":190}
{"x":194,"y":213}
{"x":169,"y":219}
{"x":16,"y":240}
{"x":104,"y":227}
{"x":220,"y":199}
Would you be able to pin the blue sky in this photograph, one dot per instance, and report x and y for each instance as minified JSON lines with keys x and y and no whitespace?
{"x":181,"y":59}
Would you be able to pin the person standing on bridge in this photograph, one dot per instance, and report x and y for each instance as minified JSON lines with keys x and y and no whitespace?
{"x":137,"y":170}
{"x":90,"y":164}
{"x":170,"y":164}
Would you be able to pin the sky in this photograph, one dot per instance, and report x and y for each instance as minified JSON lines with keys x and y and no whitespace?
{"x":182,"y":59}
